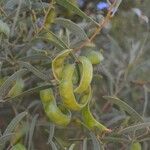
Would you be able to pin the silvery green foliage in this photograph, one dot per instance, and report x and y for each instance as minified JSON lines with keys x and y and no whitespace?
{"x":4,"y":28}
{"x":120,"y":84}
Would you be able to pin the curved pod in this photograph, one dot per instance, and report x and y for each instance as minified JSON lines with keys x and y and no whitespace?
{"x":58,"y":116}
{"x":58,"y":63}
{"x":67,"y":92}
{"x":86,"y":75}
{"x":91,"y":122}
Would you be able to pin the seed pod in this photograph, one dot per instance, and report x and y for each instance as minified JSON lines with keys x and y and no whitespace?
{"x":135,"y":146}
{"x":86,"y":70}
{"x":17,"y":88}
{"x":67,"y":92}
{"x":58,"y":63}
{"x":50,"y":17}
{"x":91,"y":122}
{"x":59,"y":116}
{"x":94,"y":56}
{"x":18,"y":146}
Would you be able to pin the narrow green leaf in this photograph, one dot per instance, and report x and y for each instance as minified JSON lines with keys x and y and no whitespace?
{"x":85,"y":144}
{"x":96,"y":144}
{"x":31,"y":130}
{"x":125,"y":107}
{"x":5,"y":138}
{"x":33,"y":104}
{"x":68,"y":5}
{"x":115,"y":139}
{"x":74,"y":28}
{"x":12,"y":125}
{"x":5,"y":86}
{"x":51,"y":132}
{"x":4,"y":28}
{"x":36,"y":57}
{"x":52,"y":38}
{"x":31,"y":91}
{"x":71,"y":147}
{"x":34,"y":70}
{"x":53,"y":145}
{"x":135,"y":127}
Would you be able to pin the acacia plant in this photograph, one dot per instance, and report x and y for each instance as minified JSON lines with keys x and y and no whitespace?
{"x":57,"y":85}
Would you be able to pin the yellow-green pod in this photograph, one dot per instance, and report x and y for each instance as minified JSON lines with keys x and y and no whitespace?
{"x":58,"y":63}
{"x":46,"y":95}
{"x":135,"y":146}
{"x":50,"y":17}
{"x":18,"y":146}
{"x":67,"y":92}
{"x":16,"y":89}
{"x":94,"y":56}
{"x":61,"y":117}
{"x":91,"y":122}
{"x":86,"y":75}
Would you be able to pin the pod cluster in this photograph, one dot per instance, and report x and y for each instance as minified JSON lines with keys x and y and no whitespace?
{"x":74,"y":88}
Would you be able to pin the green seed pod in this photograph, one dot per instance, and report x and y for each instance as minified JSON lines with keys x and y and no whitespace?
{"x":58,"y":63}
{"x":50,"y":17}
{"x":86,"y":75}
{"x":135,"y":146}
{"x":67,"y":92}
{"x":18,"y":146}
{"x":58,"y":115}
{"x":91,"y":122}
{"x":94,"y":56}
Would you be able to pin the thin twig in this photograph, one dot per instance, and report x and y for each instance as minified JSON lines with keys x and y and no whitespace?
{"x":101,"y":25}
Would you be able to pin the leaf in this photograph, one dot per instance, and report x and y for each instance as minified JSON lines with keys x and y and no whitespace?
{"x":5,"y":138}
{"x":74,"y":28}
{"x":53,"y":145}
{"x":135,"y":127}
{"x":36,"y":57}
{"x":31,"y":130}
{"x":12,"y":125}
{"x":56,"y":41}
{"x":33,"y":104}
{"x":5,"y":86}
{"x":12,"y":3}
{"x":85,"y":144}
{"x":71,"y":147}
{"x":115,"y":139}
{"x":68,"y":5}
{"x":51,"y":132}
{"x":96,"y":145}
{"x":4,"y":28}
{"x":125,"y":107}
{"x":116,"y":119}
{"x":31,"y":91}
{"x":34,"y":70}
{"x":17,"y":88}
